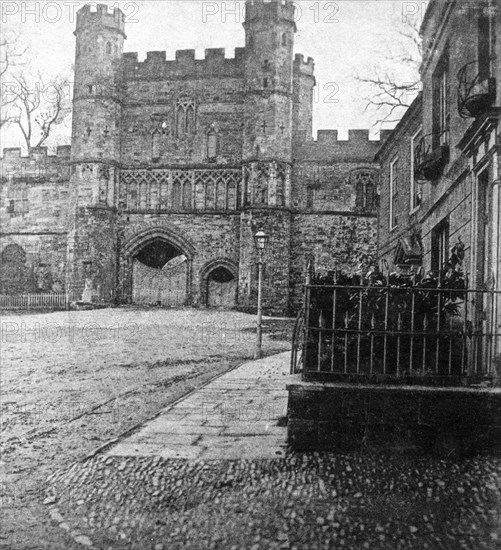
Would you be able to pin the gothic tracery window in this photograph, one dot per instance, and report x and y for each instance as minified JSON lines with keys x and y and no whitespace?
{"x":364,"y":182}
{"x":185,"y":117}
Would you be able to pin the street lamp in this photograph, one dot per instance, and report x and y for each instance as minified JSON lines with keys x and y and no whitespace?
{"x":261,"y":240}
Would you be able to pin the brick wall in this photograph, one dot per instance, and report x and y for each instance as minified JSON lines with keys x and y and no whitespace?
{"x":455,"y":195}
{"x":399,"y":146}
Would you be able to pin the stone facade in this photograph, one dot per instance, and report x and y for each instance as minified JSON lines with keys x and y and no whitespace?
{"x":182,"y":161}
{"x":33,"y":220}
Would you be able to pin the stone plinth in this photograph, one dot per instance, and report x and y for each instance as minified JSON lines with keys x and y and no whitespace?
{"x":330,"y":416}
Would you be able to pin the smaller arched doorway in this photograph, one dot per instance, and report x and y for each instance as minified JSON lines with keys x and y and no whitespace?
{"x":221,"y":285}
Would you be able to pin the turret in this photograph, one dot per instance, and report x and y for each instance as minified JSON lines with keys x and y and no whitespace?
{"x":269,"y":29}
{"x":267,"y":148}
{"x":96,"y":103}
{"x":302,"y":115}
{"x":95,"y":152}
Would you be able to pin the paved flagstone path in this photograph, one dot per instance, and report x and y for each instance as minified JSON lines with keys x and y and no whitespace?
{"x":235,"y":416}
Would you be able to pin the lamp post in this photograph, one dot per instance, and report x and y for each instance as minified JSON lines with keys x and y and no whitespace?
{"x":261,"y":242}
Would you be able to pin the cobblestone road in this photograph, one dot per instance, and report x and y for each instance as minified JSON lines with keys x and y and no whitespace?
{"x":148,"y":499}
{"x":72,"y":381}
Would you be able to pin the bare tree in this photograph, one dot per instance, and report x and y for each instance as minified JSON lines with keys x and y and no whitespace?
{"x":37,"y":107}
{"x":11,"y":55}
{"x":388,"y":96}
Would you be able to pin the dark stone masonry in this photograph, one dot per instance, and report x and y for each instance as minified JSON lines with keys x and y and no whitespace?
{"x":332,"y":416}
{"x":175,"y":164}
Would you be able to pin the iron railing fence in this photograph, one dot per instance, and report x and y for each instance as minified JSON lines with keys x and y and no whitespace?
{"x":29,"y":302}
{"x":297,"y":343}
{"x":431,"y":155}
{"x":399,"y":334}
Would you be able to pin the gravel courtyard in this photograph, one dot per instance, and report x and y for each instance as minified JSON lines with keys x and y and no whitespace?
{"x":74,"y":380}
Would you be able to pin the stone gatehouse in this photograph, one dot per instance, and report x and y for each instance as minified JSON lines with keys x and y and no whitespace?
{"x":175,"y":164}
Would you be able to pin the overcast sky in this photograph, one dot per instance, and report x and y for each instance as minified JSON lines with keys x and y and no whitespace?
{"x":344,"y":38}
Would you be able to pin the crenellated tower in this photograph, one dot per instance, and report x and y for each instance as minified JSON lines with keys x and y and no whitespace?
{"x":267,"y":143}
{"x":95,"y":153}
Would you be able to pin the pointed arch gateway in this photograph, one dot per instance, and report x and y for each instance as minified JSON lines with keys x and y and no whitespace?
{"x":219,"y":283}
{"x":158,"y":265}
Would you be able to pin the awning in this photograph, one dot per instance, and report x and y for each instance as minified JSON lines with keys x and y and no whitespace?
{"x":409,"y":250}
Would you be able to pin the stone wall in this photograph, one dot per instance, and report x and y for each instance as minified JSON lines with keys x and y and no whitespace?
{"x":33,"y":215}
{"x":198,"y":153}
{"x":151,"y":132}
{"x":204,"y":238}
{"x":332,"y":241}
{"x":354,"y":417}
{"x":331,"y":185}
{"x":328,"y":148}
{"x":276,"y":258}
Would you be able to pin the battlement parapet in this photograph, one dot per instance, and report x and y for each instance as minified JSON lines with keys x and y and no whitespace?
{"x":156,"y":64}
{"x":265,"y":10}
{"x":155,"y":57}
{"x":11,"y":153}
{"x":37,"y":153}
{"x":98,"y":17}
{"x":130,"y":57}
{"x":354,"y":136}
{"x":63,"y":151}
{"x":329,"y":148}
{"x":184,"y":55}
{"x":304,"y":67}
{"x":36,"y":167}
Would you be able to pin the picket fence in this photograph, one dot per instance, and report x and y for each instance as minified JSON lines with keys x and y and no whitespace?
{"x":34,"y":301}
